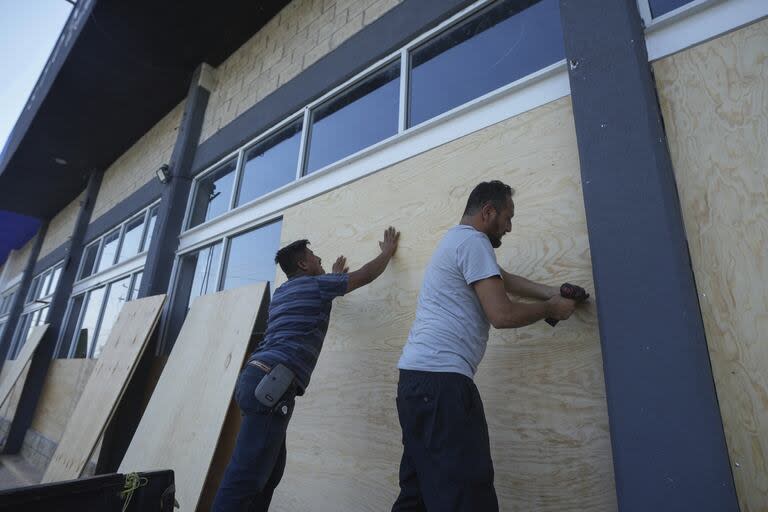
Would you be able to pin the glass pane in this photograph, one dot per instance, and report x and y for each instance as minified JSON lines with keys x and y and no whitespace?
{"x":206,"y":271}
{"x":136,"y":285}
{"x":131,"y":239}
{"x":213,"y":194}
{"x":71,"y":325}
{"x":89,"y":260}
{"x":251,"y":256}
{"x":659,"y":7}
{"x":20,"y":335}
{"x":271,"y":164}
{"x":360,"y":117}
{"x":55,"y":279}
{"x":43,"y":316}
{"x":85,"y":335}
{"x":498,"y":45}
{"x":42,"y":291}
{"x":150,"y":228}
{"x":116,"y":297}
{"x":108,"y":251}
{"x":32,"y":293}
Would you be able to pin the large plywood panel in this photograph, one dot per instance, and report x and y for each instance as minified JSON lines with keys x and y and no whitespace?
{"x":106,"y":385}
{"x":714,"y":99}
{"x":543,"y":387}
{"x":13,"y":369}
{"x":182,"y":423}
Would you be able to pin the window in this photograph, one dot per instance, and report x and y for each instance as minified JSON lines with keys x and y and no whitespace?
{"x":117,"y":295}
{"x":357,"y":118}
{"x":659,"y":7}
{"x":131,"y":239}
{"x":136,"y":285}
{"x":120,"y":244}
{"x":55,"y":279}
{"x":85,"y":334}
{"x":494,"y":47}
{"x":270,"y":164}
{"x":89,"y":260}
{"x":26,"y":325}
{"x":108,"y":250}
{"x":42,"y":291}
{"x":73,"y":317}
{"x":213,"y":194}
{"x":251,"y":256}
{"x":32,"y":293}
{"x":150,"y":228}
{"x":205,"y":276}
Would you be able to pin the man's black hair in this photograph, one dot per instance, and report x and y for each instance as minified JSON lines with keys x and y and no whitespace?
{"x":494,"y":191}
{"x":289,"y":256}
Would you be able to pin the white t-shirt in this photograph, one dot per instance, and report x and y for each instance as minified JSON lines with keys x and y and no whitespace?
{"x":450,"y":332}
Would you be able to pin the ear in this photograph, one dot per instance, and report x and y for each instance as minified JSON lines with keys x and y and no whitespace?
{"x":488,"y":211}
{"x":302,"y":264}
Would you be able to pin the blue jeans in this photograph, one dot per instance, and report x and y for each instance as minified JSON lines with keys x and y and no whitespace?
{"x":258,"y":460}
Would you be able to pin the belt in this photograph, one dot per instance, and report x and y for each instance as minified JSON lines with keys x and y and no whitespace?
{"x":260,"y":365}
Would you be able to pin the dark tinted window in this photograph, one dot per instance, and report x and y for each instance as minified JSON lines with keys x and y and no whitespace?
{"x":89,"y":260}
{"x":74,"y":314}
{"x":271,"y":163}
{"x":213,"y":194}
{"x":355,"y":119}
{"x":659,"y":7}
{"x":251,"y":257}
{"x":86,"y":333}
{"x":131,"y":238}
{"x":206,"y":271}
{"x":500,"y":44}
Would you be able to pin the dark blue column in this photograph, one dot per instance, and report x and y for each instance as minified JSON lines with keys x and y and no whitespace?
{"x":158,"y":266}
{"x":669,"y":451}
{"x":41,"y":360}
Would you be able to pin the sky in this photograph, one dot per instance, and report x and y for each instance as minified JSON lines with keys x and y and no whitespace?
{"x":28,"y":31}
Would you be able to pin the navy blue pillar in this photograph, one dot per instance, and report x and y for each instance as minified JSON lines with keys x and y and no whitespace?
{"x":17,"y":304}
{"x":669,"y":450}
{"x":159,"y":263}
{"x":41,"y":360}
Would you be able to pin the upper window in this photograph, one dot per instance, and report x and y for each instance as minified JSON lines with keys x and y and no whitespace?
{"x":5,"y":302}
{"x":213,"y":194}
{"x":121,"y":244}
{"x":44,"y":284}
{"x":270,"y":164}
{"x":494,"y":47}
{"x":355,"y":119}
{"x":659,"y":7}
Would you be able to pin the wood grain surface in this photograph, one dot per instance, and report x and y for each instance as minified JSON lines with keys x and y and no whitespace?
{"x":16,"y":367}
{"x":715,"y":104}
{"x":113,"y":370}
{"x":182,"y":423}
{"x":542,"y":387}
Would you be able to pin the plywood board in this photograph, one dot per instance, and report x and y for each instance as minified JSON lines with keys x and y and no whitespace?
{"x":105,"y":387}
{"x":714,"y":99}
{"x":543,"y":388}
{"x":16,"y":367}
{"x":181,"y":426}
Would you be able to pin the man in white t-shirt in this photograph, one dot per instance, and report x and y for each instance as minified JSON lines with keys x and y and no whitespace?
{"x":446,"y":463}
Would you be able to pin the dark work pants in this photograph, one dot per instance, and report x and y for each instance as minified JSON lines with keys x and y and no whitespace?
{"x":258,"y":460}
{"x":446,"y":464}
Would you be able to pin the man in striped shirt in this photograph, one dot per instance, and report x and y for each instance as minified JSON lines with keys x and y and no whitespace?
{"x":298,"y":320}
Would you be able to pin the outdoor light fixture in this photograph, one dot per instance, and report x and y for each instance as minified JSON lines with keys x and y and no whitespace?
{"x":163,"y":174}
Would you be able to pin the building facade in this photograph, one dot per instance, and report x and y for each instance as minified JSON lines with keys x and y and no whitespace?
{"x":634,"y":134}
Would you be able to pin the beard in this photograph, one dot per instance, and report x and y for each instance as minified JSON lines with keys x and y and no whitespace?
{"x":495,"y":241}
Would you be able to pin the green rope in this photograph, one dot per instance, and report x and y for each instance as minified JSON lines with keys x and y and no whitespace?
{"x":132,"y":482}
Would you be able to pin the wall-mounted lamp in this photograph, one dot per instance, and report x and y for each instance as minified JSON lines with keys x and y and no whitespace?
{"x":163,"y":174}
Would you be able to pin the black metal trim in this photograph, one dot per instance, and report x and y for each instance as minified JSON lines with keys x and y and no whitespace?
{"x":669,"y":450}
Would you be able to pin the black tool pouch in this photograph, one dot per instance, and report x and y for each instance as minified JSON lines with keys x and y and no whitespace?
{"x":273,"y":385}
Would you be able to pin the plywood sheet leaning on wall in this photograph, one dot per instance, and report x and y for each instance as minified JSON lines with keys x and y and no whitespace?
{"x":542,"y":387}
{"x":105,"y":387}
{"x":714,"y":99}
{"x":183,"y":420}
{"x":12,"y":370}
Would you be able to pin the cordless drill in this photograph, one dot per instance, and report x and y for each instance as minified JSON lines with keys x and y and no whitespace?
{"x":573,"y":292}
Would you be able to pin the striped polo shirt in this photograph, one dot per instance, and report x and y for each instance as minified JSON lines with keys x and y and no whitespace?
{"x":298,"y":320}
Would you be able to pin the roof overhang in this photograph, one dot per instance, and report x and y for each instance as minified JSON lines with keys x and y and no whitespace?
{"x":117,"y":68}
